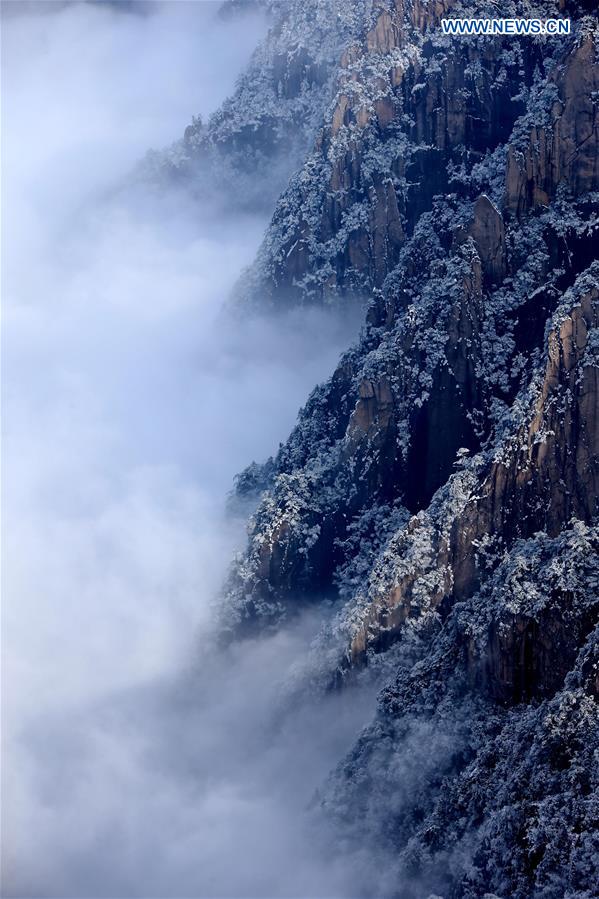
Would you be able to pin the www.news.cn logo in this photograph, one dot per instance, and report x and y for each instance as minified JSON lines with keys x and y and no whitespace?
{"x":505,"y":26}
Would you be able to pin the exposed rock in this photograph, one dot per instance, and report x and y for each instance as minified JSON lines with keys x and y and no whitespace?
{"x":385,"y":35}
{"x":566,"y":149}
{"x":442,"y":487}
{"x":488,"y":232}
{"x":548,"y":474}
{"x":262,"y":133}
{"x":406,"y":107}
{"x":452,"y":787}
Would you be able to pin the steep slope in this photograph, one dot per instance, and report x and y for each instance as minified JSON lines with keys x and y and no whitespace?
{"x":445,"y":364}
{"x":534,"y":479}
{"x":417,"y":114}
{"x":248,"y":148}
{"x":479,"y":773}
{"x":441,"y":488}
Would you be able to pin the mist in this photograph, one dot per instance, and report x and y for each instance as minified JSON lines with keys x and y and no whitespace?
{"x":138,"y":761}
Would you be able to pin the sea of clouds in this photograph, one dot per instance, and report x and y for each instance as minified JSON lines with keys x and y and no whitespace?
{"x":136,"y":760}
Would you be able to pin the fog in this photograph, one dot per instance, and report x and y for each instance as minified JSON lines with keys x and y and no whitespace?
{"x":136,"y":760}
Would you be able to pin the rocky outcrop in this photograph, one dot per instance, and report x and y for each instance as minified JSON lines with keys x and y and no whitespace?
{"x":440,"y":490}
{"x":488,"y":232}
{"x":453,"y":330}
{"x":244,"y":154}
{"x":407,"y":105}
{"x":562,"y":145}
{"x":544,"y":475}
{"x":477,"y":773}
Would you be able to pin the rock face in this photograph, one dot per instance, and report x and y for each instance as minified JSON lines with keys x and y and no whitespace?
{"x":564,"y":149}
{"x":442,"y":487}
{"x":410,"y":107}
{"x":245,"y":153}
{"x":488,"y":232}
{"x":543,"y":476}
{"x":477,"y":775}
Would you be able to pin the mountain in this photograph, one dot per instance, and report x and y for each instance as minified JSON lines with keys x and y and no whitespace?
{"x":440,"y":489}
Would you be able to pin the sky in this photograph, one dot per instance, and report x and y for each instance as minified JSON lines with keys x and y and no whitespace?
{"x":138,"y":761}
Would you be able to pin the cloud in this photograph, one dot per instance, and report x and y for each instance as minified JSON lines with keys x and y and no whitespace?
{"x":137,"y":762}
{"x":185,"y":788}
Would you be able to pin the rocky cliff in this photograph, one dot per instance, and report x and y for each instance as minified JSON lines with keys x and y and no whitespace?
{"x":441,"y":488}
{"x":246,"y":151}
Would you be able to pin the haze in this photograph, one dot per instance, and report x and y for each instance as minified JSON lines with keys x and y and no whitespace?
{"x":136,"y":761}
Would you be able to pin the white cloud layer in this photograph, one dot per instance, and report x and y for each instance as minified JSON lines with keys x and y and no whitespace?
{"x":136,"y":763}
